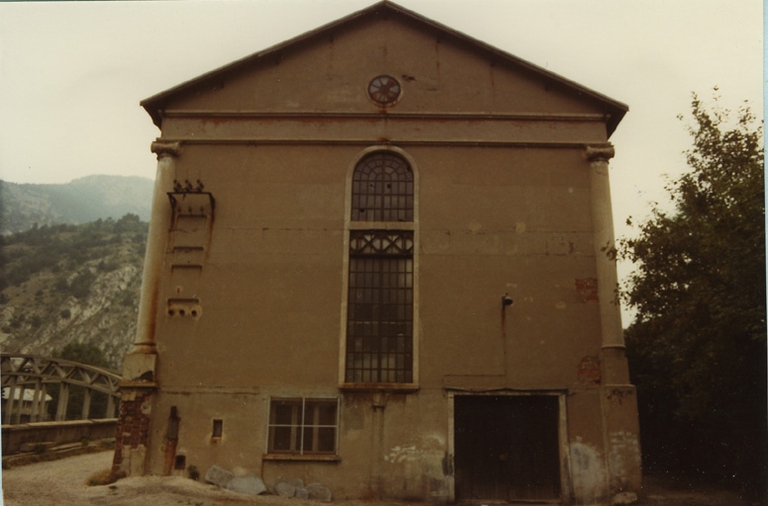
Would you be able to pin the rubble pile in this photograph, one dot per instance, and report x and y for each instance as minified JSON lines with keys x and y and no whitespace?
{"x":254,"y":485}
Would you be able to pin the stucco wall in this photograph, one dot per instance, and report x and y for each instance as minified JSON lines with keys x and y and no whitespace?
{"x":517,"y":223}
{"x":271,"y":290}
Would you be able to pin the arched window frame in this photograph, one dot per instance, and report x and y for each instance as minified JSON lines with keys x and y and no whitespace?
{"x":373,"y":233}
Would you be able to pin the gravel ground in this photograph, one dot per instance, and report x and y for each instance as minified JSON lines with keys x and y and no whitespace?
{"x":63,"y":483}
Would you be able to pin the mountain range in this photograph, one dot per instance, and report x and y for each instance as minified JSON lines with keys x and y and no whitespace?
{"x":80,"y":201}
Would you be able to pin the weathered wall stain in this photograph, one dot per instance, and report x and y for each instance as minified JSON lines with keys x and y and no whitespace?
{"x":588,"y":474}
{"x":423,"y":467}
{"x":624,"y":458}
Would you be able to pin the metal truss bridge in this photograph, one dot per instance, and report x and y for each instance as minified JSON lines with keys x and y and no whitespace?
{"x":26,"y":380}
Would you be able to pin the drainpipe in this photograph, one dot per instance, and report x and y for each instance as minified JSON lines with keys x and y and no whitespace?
{"x":376,"y":483}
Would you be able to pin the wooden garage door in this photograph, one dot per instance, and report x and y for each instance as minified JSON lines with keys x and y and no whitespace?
{"x":506,"y":447}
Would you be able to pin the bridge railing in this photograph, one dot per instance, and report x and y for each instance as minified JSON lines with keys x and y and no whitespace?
{"x":22,"y":374}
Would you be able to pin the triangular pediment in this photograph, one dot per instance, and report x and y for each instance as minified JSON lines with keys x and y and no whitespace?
{"x":440,"y":71}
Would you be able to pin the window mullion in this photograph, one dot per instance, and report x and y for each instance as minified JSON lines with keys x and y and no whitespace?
{"x":301,"y":425}
{"x":378,"y":262}
{"x":316,"y":429}
{"x":270,"y":429}
{"x":293,"y":429}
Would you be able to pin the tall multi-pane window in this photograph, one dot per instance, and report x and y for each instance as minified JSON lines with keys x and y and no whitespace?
{"x":380,"y":298}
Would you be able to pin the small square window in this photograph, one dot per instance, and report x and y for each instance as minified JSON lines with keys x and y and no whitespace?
{"x":218,"y":428}
{"x":303,"y":426}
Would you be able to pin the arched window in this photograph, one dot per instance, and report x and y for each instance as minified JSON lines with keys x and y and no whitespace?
{"x":382,"y":189}
{"x":379,"y":337}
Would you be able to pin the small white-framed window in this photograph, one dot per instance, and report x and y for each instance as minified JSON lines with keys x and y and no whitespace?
{"x":303,"y":425}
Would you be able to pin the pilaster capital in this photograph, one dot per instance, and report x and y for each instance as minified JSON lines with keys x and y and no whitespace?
{"x":599,"y":152}
{"x":163,"y":149}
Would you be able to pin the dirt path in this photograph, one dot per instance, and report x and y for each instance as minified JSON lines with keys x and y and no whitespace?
{"x":63,"y":483}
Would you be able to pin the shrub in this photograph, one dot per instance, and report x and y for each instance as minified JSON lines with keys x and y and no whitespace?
{"x":104,"y":477}
{"x":81,"y":285}
{"x":39,"y":448}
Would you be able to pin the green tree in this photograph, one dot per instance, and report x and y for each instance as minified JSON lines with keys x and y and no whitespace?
{"x":84,"y":353}
{"x":697,"y":346}
{"x":128,"y":223}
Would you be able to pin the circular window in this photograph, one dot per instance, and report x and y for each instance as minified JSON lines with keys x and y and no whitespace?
{"x":384,"y":90}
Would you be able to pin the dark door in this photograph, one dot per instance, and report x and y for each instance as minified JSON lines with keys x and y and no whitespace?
{"x":506,"y":447}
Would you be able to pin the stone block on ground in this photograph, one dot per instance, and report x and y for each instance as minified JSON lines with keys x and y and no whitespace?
{"x":318,"y":492}
{"x":247,"y":485}
{"x":218,"y":476}
{"x":287,"y":488}
{"x":624,"y":499}
{"x":302,"y":493}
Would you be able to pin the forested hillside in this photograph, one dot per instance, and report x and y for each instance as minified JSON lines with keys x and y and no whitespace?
{"x":61,"y":284}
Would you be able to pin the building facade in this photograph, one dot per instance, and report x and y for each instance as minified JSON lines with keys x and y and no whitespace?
{"x":380,"y":258}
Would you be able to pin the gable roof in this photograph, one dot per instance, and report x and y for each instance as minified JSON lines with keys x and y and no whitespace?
{"x":155,"y":104}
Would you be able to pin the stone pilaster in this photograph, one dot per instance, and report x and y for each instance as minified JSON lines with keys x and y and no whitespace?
{"x":613,"y":360}
{"x":618,"y":397}
{"x":166,"y":152}
{"x":139,"y":382}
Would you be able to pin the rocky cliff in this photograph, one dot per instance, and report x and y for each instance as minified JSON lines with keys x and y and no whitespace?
{"x":72,"y":283}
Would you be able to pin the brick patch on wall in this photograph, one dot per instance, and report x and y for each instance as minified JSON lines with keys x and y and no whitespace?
{"x":589,"y":372}
{"x":132,"y":425}
{"x":587,"y":289}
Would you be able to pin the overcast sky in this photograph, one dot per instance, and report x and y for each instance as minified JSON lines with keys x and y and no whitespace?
{"x":72,"y":73}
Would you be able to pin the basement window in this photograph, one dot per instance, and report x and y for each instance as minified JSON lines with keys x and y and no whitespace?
{"x":303,"y":426}
{"x":218,"y":427}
